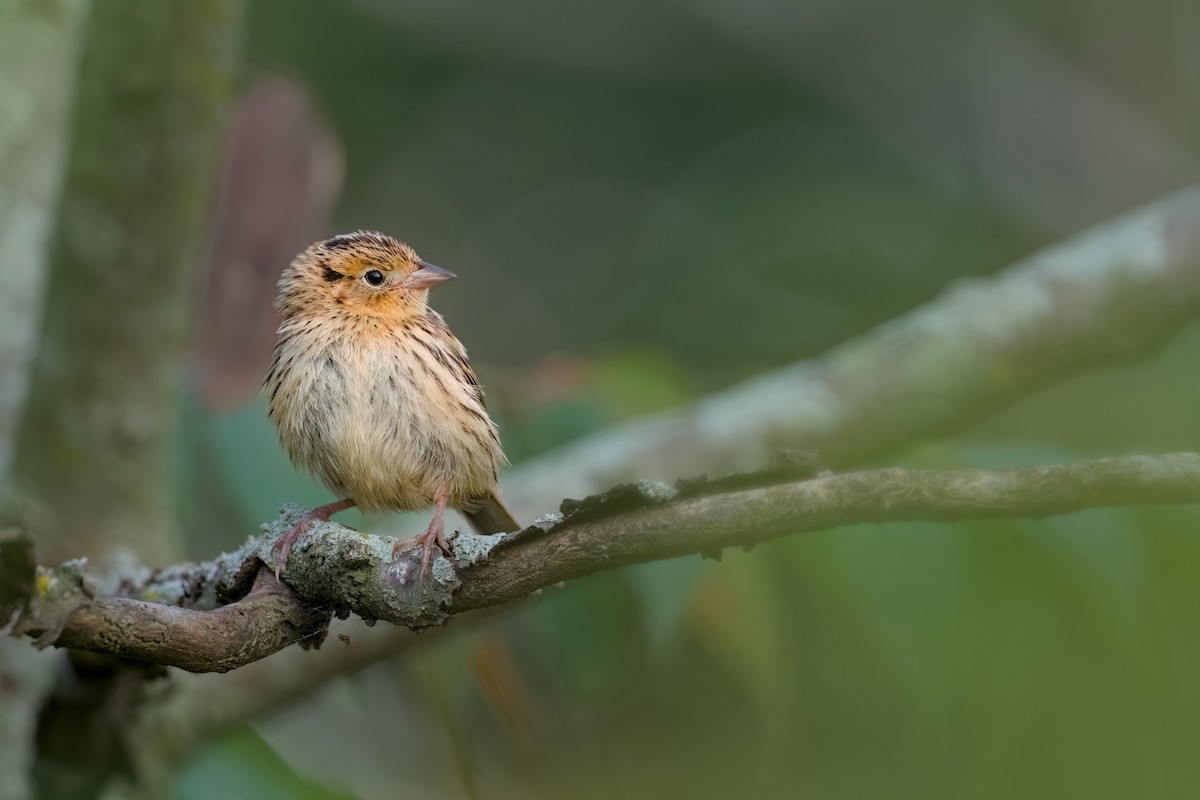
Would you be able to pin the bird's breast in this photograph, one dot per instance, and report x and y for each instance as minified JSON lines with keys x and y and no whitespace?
{"x":369,"y":417}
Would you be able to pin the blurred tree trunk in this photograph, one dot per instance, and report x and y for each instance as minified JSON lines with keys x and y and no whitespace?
{"x":94,"y":448}
{"x":94,"y":445}
{"x":37,"y":60}
{"x":38,"y":45}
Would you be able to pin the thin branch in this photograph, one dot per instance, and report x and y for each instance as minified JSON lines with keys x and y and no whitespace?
{"x":340,"y":570}
{"x":710,"y":523}
{"x":1109,"y":293}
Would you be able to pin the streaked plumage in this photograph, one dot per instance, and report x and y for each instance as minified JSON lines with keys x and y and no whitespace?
{"x":372,"y":393}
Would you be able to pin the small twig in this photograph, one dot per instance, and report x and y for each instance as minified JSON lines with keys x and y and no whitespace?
{"x":339,"y":570}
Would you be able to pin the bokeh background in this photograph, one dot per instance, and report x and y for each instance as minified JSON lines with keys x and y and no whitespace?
{"x":650,"y":201}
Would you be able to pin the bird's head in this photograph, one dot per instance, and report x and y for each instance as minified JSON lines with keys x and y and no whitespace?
{"x":363,"y":273}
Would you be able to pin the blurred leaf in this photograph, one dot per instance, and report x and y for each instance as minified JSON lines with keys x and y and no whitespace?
{"x":237,"y":459}
{"x":550,"y":426}
{"x":631,"y":383}
{"x":593,"y":633}
{"x":564,"y":397}
{"x":1145,"y":405}
{"x":667,"y":592}
{"x":242,"y":767}
{"x":738,"y":612}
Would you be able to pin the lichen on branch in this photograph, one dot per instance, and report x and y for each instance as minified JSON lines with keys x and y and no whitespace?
{"x":232,"y":611}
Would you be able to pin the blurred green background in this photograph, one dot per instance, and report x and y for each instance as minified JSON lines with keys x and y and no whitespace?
{"x":649,"y":201}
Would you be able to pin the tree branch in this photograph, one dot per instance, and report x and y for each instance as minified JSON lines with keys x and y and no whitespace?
{"x":1109,"y":293}
{"x":267,"y":619}
{"x":343,"y":571}
{"x":856,"y":402}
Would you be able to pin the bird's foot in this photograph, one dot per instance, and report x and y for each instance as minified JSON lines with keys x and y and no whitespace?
{"x":284,"y":544}
{"x":434,"y":536}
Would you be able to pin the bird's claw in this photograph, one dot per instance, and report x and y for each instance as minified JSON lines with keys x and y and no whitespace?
{"x":434,"y":536}
{"x":281,"y":548}
{"x":284,"y":544}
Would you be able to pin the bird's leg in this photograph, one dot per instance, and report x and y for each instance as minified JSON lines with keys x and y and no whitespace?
{"x":434,"y":535}
{"x":284,"y":544}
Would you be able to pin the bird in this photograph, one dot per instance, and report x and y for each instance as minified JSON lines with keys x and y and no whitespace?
{"x":372,"y":394}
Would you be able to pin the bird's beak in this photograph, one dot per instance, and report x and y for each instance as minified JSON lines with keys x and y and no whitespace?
{"x":426,"y":276}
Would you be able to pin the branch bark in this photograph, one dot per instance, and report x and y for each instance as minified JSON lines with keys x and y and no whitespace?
{"x":335,"y":568}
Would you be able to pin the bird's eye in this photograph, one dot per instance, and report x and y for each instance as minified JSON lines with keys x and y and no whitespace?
{"x":373,"y":277}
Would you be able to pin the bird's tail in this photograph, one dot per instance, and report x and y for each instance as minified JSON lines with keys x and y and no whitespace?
{"x":488,"y":514}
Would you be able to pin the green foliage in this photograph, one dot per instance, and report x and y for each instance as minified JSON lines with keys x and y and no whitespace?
{"x":612,"y":387}
{"x":242,"y":766}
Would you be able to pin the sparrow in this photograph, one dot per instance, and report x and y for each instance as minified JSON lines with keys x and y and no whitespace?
{"x":373,"y":395}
